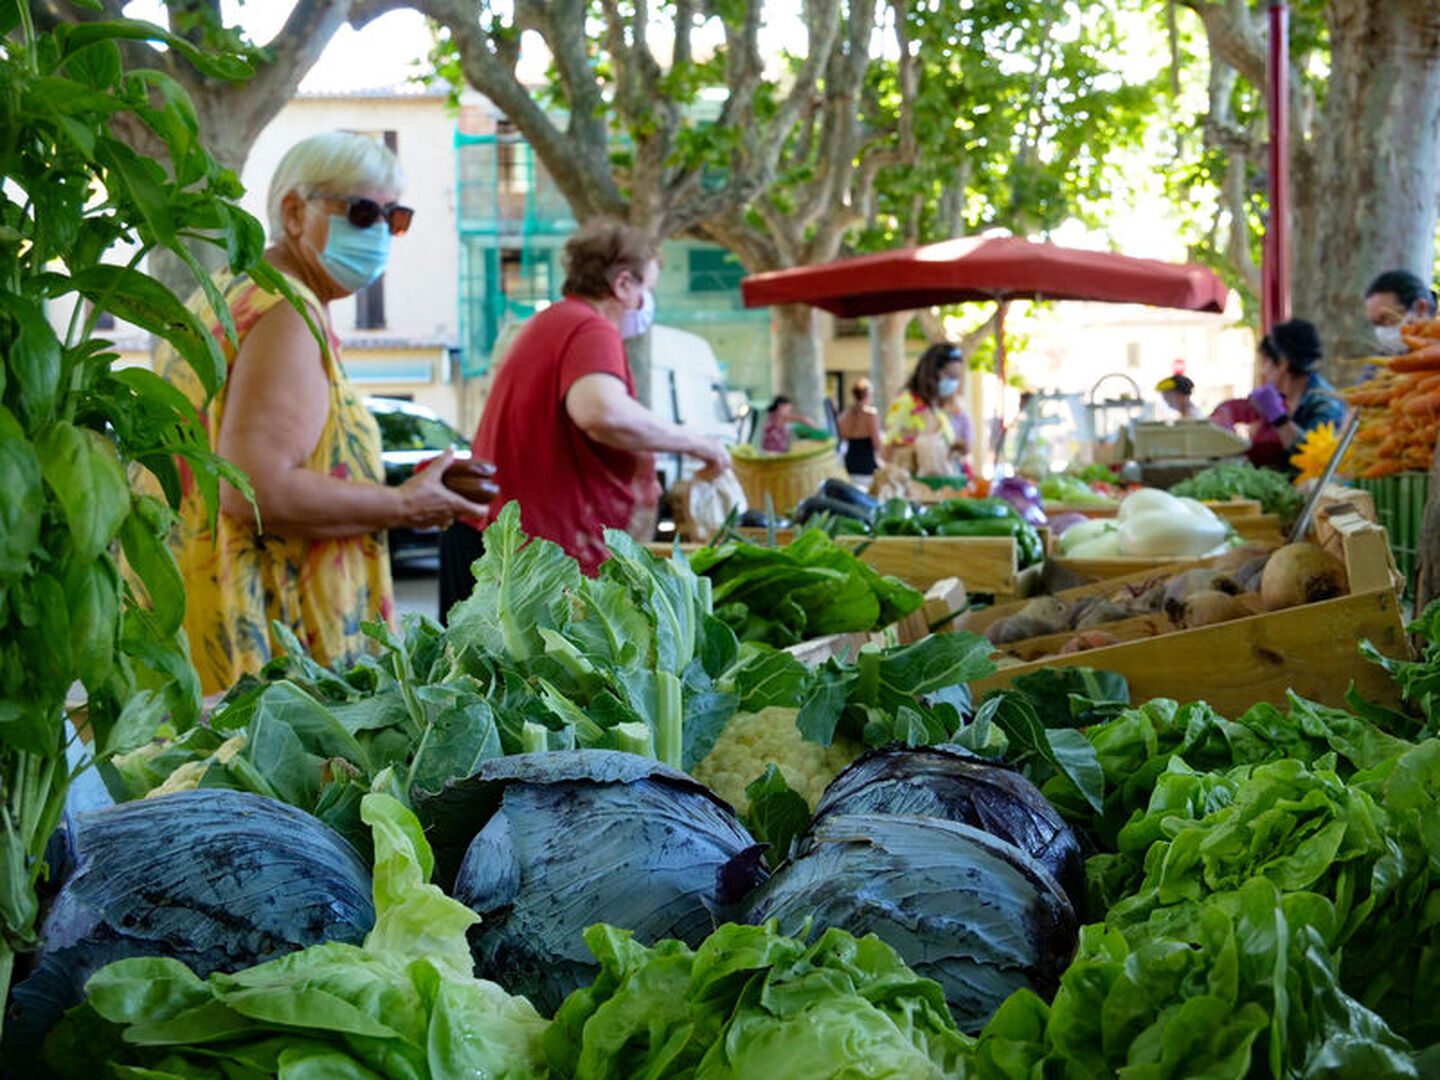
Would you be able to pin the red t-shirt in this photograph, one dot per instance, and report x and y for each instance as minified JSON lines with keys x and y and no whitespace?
{"x":570,"y":488}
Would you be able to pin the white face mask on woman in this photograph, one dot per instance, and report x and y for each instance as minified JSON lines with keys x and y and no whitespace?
{"x":637,"y":320}
{"x":1391,"y":343}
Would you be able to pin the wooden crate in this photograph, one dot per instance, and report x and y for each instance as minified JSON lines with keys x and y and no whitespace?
{"x":1312,"y":649}
{"x":985,"y":564}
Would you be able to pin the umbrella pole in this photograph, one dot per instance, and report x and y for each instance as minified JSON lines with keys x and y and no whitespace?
{"x":1276,"y":272}
{"x":1000,"y":346}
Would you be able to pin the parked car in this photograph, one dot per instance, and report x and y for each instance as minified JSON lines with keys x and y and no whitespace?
{"x":410,"y":434}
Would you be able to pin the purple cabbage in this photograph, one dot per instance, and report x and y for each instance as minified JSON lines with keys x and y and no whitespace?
{"x":951,"y":783}
{"x":974,"y":913}
{"x":1023,"y":495}
{"x":221,"y":880}
{"x":1060,"y":522}
{"x":565,"y":839}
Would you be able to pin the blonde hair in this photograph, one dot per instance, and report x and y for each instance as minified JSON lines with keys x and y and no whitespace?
{"x":336,"y":162}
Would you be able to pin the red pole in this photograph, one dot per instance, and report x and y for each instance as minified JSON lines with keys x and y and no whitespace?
{"x":1277,"y":234}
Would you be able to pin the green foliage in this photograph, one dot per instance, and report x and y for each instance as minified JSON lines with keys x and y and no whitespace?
{"x":1019,"y":117}
{"x":71,"y":424}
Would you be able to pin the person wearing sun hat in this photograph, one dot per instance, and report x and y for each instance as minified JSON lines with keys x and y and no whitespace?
{"x":1176,"y":390}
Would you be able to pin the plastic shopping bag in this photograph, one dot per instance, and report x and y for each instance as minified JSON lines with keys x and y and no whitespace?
{"x":711,"y":500}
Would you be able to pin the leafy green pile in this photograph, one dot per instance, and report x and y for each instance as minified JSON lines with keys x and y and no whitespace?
{"x":751,"y":1002}
{"x":806,"y":589}
{"x":1244,"y":481}
{"x":1270,"y":890}
{"x":539,"y":657}
{"x":405,"y":1004}
{"x":1243,"y":985}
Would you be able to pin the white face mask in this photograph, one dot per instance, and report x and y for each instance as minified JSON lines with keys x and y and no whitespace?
{"x":1391,"y":343}
{"x":637,"y":320}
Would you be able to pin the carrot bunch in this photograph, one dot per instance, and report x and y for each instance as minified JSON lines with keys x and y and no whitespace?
{"x":1399,"y":410}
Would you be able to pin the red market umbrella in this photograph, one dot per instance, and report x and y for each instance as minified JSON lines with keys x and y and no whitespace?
{"x":981,"y":268}
{"x":985,"y":268}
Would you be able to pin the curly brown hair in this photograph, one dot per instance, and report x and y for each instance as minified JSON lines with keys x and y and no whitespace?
{"x":600,"y":250}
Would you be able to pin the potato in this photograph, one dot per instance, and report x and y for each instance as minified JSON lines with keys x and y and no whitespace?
{"x":1209,"y":607}
{"x":1183,"y":586}
{"x":1090,"y":639}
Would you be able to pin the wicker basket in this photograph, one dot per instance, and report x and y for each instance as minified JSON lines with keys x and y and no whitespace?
{"x":789,"y":477}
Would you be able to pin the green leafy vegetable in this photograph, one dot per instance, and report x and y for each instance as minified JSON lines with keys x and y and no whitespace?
{"x":751,"y":1002}
{"x":1244,"y":481}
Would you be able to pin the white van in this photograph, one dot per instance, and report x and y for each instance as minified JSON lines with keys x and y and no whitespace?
{"x":686,"y":388}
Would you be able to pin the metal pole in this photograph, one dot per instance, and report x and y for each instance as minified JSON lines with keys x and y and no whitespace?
{"x":1277,"y":236}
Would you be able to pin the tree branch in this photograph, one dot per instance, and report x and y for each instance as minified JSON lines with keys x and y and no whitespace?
{"x":578,"y":158}
{"x":1230,"y":30}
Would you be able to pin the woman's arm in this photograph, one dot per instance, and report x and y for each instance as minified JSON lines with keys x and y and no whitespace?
{"x":277,"y":402}
{"x":600,"y":407}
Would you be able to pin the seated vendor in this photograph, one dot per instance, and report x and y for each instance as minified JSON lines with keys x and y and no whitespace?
{"x":1175,"y":391}
{"x":1293,"y":398}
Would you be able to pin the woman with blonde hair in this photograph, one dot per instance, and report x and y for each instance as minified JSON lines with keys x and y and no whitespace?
{"x":310,"y":551}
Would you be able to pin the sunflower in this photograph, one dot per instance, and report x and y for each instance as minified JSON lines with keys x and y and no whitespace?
{"x":1313,"y":452}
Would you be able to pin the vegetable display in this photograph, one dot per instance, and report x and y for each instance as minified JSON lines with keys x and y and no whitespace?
{"x":841,"y":509}
{"x":1073,"y":491}
{"x":1149,"y":523}
{"x":805,"y":589}
{"x":1399,"y":409}
{"x":566,"y":839}
{"x":217,"y":880}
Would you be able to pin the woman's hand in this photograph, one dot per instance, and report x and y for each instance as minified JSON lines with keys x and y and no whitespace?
{"x":427,"y":503}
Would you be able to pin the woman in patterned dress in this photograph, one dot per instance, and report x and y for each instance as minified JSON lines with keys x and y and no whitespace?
{"x":309,"y":552}
{"x":918,"y":410}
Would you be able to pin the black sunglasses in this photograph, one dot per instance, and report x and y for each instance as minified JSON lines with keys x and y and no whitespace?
{"x":362,"y":212}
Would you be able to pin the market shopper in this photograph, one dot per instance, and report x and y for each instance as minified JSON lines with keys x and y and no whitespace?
{"x":917,"y":416}
{"x":288,"y":417}
{"x":780,"y":421}
{"x":1175,"y":391}
{"x":1393,"y":299}
{"x":562,"y":425}
{"x":1293,"y":397}
{"x":859,"y":426}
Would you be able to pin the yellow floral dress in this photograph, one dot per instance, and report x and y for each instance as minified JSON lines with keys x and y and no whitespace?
{"x":237,"y":579}
{"x":908,"y":418}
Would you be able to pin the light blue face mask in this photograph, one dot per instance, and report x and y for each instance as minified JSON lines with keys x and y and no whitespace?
{"x":637,"y":320}
{"x":355,"y":257}
{"x":948,"y":388}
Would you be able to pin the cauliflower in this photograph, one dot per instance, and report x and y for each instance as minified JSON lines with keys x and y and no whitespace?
{"x":753,"y":740}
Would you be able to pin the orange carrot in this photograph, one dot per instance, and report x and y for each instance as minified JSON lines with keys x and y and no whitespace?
{"x":1425,"y":359}
{"x":1419,"y":404}
{"x":1382,"y":468}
